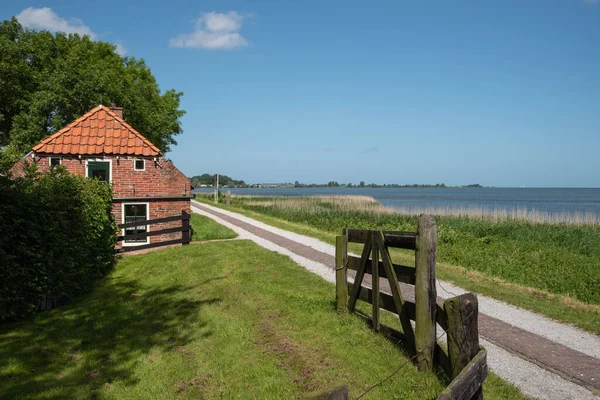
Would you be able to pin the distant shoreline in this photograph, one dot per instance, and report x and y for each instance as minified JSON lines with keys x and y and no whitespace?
{"x":324,"y":186}
{"x":269,"y":186}
{"x":220,"y":180}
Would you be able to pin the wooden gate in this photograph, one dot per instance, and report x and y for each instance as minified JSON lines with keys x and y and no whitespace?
{"x":412,"y":297}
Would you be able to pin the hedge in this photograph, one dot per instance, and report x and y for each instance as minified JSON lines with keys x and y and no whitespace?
{"x":57,"y":237}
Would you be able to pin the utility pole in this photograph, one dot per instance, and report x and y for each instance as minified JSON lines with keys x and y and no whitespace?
{"x":217,"y":191}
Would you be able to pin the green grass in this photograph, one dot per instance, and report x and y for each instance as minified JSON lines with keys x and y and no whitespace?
{"x":207,"y":229}
{"x":550,"y":269}
{"x":217,"y":320}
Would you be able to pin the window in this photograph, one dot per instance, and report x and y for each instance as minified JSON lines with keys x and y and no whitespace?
{"x":99,"y":170}
{"x":55,"y":161}
{"x":139,"y":165}
{"x":133,"y":213}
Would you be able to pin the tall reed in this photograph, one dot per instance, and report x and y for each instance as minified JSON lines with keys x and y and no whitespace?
{"x":367,"y":204}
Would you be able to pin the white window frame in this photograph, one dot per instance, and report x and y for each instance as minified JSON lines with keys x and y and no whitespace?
{"x":50,"y":161}
{"x":110,"y":167}
{"x":136,"y":160}
{"x":123,"y":221}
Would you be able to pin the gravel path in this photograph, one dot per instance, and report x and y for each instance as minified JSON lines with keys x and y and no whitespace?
{"x":522,"y":332}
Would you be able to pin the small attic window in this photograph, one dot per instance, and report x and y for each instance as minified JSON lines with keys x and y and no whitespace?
{"x":55,"y":161}
{"x":139,"y":165}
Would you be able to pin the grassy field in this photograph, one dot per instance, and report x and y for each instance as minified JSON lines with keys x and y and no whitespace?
{"x":218,"y":320}
{"x":207,"y":229}
{"x":553,"y":269}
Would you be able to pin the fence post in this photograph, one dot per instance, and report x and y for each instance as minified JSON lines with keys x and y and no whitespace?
{"x":463,"y":333}
{"x":341,"y":272}
{"x":186,"y":234}
{"x":228,"y":197}
{"x":425,"y":292}
{"x":375,"y":280}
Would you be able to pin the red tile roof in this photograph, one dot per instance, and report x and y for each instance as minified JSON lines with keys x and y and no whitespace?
{"x":99,"y":131}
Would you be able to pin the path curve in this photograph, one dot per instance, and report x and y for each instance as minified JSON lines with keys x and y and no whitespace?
{"x":544,"y":358}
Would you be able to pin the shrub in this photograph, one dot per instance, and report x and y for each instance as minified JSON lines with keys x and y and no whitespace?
{"x":58,"y":236}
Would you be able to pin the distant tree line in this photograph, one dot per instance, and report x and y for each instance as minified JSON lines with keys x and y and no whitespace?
{"x":225,"y":181}
{"x":362,"y":184}
{"x":211,"y":180}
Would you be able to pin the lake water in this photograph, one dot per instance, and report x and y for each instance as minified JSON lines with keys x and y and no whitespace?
{"x":540,"y":200}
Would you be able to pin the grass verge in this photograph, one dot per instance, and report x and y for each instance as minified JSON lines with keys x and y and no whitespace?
{"x":214,"y":320}
{"x":560,"y":307}
{"x":207,"y":229}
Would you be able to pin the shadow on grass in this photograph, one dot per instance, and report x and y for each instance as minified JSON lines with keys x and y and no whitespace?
{"x":73,"y":351}
{"x":441,"y":366}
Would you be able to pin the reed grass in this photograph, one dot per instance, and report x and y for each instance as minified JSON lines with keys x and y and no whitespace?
{"x":318,"y":204}
{"x":557,"y":255}
{"x":368,"y":204}
{"x":507,"y":214}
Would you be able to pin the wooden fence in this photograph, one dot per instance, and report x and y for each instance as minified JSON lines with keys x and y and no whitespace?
{"x":185,"y":229}
{"x":413,"y":298}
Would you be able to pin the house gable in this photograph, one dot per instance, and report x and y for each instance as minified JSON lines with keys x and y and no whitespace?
{"x":98,"y":132}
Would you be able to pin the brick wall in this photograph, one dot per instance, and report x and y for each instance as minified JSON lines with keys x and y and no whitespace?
{"x":72,"y":164}
{"x":159,"y":179}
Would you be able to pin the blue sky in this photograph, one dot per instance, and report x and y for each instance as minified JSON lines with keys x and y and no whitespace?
{"x":503,"y":93}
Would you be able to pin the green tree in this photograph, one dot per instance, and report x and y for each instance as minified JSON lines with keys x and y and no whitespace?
{"x":361,"y":184}
{"x":211,"y":180}
{"x":48,"y":80}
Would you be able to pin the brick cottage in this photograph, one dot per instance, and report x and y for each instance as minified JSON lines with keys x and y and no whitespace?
{"x":100,"y":144}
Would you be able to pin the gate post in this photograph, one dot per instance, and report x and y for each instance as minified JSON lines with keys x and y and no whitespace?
{"x":463,"y":333}
{"x":341,"y":272}
{"x":425,"y":292}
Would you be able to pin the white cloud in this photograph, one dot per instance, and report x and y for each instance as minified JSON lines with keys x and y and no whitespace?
{"x":214,"y":31}
{"x":217,"y":22}
{"x":120,"y":49}
{"x":45,"y":18}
